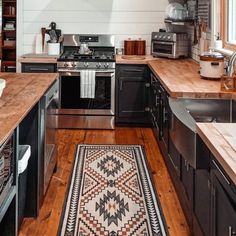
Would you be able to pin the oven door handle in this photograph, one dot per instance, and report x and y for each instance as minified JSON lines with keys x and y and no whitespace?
{"x":164,"y":43}
{"x":77,"y":73}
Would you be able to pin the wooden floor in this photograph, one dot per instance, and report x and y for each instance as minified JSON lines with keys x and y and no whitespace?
{"x":48,"y":220}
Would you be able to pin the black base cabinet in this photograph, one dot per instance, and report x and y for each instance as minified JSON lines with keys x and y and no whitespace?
{"x":132,"y":92}
{"x":223,"y":202}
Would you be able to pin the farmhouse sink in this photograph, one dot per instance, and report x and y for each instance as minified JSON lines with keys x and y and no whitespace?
{"x":184,"y":115}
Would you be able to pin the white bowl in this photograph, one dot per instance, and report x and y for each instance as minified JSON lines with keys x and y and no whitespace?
{"x":2,"y":86}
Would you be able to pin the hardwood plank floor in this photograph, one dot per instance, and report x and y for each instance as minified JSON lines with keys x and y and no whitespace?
{"x":49,"y":217}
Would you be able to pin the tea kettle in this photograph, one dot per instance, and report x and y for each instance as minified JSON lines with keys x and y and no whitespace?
{"x":84,"y":49}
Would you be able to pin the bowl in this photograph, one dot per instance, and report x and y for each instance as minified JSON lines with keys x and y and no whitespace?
{"x":2,"y":86}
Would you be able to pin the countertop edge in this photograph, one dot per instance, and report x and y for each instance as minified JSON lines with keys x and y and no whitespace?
{"x":214,"y":148}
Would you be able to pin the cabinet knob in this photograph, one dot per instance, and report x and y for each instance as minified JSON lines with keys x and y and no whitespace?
{"x":147,"y":85}
{"x":147,"y":109}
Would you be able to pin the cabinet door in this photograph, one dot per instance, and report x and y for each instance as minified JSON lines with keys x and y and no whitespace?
{"x":175,"y":157}
{"x":132,"y":94}
{"x":132,"y":97}
{"x":187,"y":177}
{"x":223,"y":206}
{"x":39,"y":67}
{"x":202,"y":187}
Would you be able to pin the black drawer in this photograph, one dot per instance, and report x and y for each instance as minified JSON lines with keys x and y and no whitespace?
{"x":133,"y":71}
{"x":39,"y":67}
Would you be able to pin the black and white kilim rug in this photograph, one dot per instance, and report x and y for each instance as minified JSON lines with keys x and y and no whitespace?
{"x":111,"y":193}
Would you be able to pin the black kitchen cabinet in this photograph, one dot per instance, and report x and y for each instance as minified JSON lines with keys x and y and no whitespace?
{"x":39,"y":67}
{"x":187,"y":178}
{"x":223,"y":202}
{"x":132,"y":93}
{"x":175,"y":158}
{"x":202,"y":185}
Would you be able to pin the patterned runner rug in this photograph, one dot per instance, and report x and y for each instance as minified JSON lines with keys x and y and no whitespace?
{"x":111,"y":193}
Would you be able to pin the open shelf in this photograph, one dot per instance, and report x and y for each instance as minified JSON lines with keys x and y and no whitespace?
{"x":7,"y":201}
{"x":8,"y":50}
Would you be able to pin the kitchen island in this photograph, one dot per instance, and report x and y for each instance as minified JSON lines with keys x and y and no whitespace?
{"x":20,"y":122}
{"x":22,"y":92}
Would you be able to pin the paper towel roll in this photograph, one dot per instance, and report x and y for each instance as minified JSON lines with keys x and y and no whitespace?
{"x":38,"y":44}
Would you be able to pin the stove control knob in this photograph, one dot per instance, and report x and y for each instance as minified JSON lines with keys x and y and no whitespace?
{"x":155,"y":36}
{"x":66,"y":64}
{"x":74,"y":65}
{"x":106,"y":65}
{"x":86,"y":64}
{"x":169,"y":37}
{"x":98,"y":65}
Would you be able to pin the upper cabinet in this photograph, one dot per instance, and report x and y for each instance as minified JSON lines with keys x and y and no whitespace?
{"x":8,"y":43}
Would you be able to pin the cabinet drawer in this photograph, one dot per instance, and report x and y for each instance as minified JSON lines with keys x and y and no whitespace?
{"x":39,"y":67}
{"x":133,"y":71}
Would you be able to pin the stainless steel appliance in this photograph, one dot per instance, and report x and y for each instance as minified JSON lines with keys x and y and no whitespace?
{"x":49,"y":107}
{"x":171,"y":45}
{"x":75,"y":110}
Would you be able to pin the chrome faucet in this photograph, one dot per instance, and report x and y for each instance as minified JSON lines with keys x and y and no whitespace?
{"x":230,"y":68}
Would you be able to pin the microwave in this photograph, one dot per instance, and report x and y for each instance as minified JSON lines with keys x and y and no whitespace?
{"x":170,"y":45}
{"x":7,"y":165}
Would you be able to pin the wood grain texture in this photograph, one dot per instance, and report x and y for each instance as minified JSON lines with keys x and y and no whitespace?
{"x":22,"y":92}
{"x":181,"y":79}
{"x":47,"y":222}
{"x":37,"y":58}
{"x":120,"y":59}
{"x":220,"y":139}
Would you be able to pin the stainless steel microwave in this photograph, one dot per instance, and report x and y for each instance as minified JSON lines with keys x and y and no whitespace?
{"x":171,"y":45}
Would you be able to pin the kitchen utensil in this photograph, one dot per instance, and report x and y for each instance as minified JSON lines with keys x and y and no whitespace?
{"x":211,"y":65}
{"x":84,"y":49}
{"x":43,"y":32}
{"x":129,"y":47}
{"x":140,"y":47}
{"x":53,"y":36}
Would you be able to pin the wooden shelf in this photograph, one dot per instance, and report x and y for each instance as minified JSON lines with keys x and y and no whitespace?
{"x":8,"y":63}
{"x":9,"y":47}
{"x":9,"y":16}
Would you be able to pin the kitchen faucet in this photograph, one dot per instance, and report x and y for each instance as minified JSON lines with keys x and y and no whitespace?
{"x":230,"y":68}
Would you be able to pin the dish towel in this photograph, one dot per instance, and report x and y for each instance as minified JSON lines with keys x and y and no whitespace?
{"x":87,"y":84}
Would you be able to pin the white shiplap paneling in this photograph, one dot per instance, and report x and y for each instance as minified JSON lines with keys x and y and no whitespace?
{"x":123,"y":18}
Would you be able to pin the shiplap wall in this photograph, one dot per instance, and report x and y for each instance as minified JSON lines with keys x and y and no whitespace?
{"x":123,"y":18}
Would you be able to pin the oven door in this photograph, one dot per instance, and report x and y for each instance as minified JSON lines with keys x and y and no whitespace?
{"x":103,"y":103}
{"x":162,"y":48}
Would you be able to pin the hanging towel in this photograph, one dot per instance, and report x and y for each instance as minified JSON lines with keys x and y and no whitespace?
{"x":87,"y":84}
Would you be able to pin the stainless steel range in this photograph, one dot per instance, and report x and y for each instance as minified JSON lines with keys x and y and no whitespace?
{"x":87,"y":82}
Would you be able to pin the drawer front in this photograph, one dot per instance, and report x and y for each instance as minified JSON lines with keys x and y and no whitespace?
{"x":38,"y":68}
{"x":133,"y":71}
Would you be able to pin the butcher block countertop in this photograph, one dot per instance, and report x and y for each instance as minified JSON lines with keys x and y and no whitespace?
{"x":221,"y":140}
{"x":138,"y":60}
{"x":181,"y":79}
{"x":38,"y":58}
{"x":22,"y":92}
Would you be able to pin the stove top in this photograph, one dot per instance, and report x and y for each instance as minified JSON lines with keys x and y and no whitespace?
{"x":95,"y":56}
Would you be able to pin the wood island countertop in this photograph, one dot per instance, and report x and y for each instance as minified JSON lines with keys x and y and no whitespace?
{"x":22,"y":92}
{"x":220,"y":138}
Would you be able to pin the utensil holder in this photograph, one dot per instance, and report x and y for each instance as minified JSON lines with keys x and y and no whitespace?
{"x":53,"y":48}
{"x":228,"y":83}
